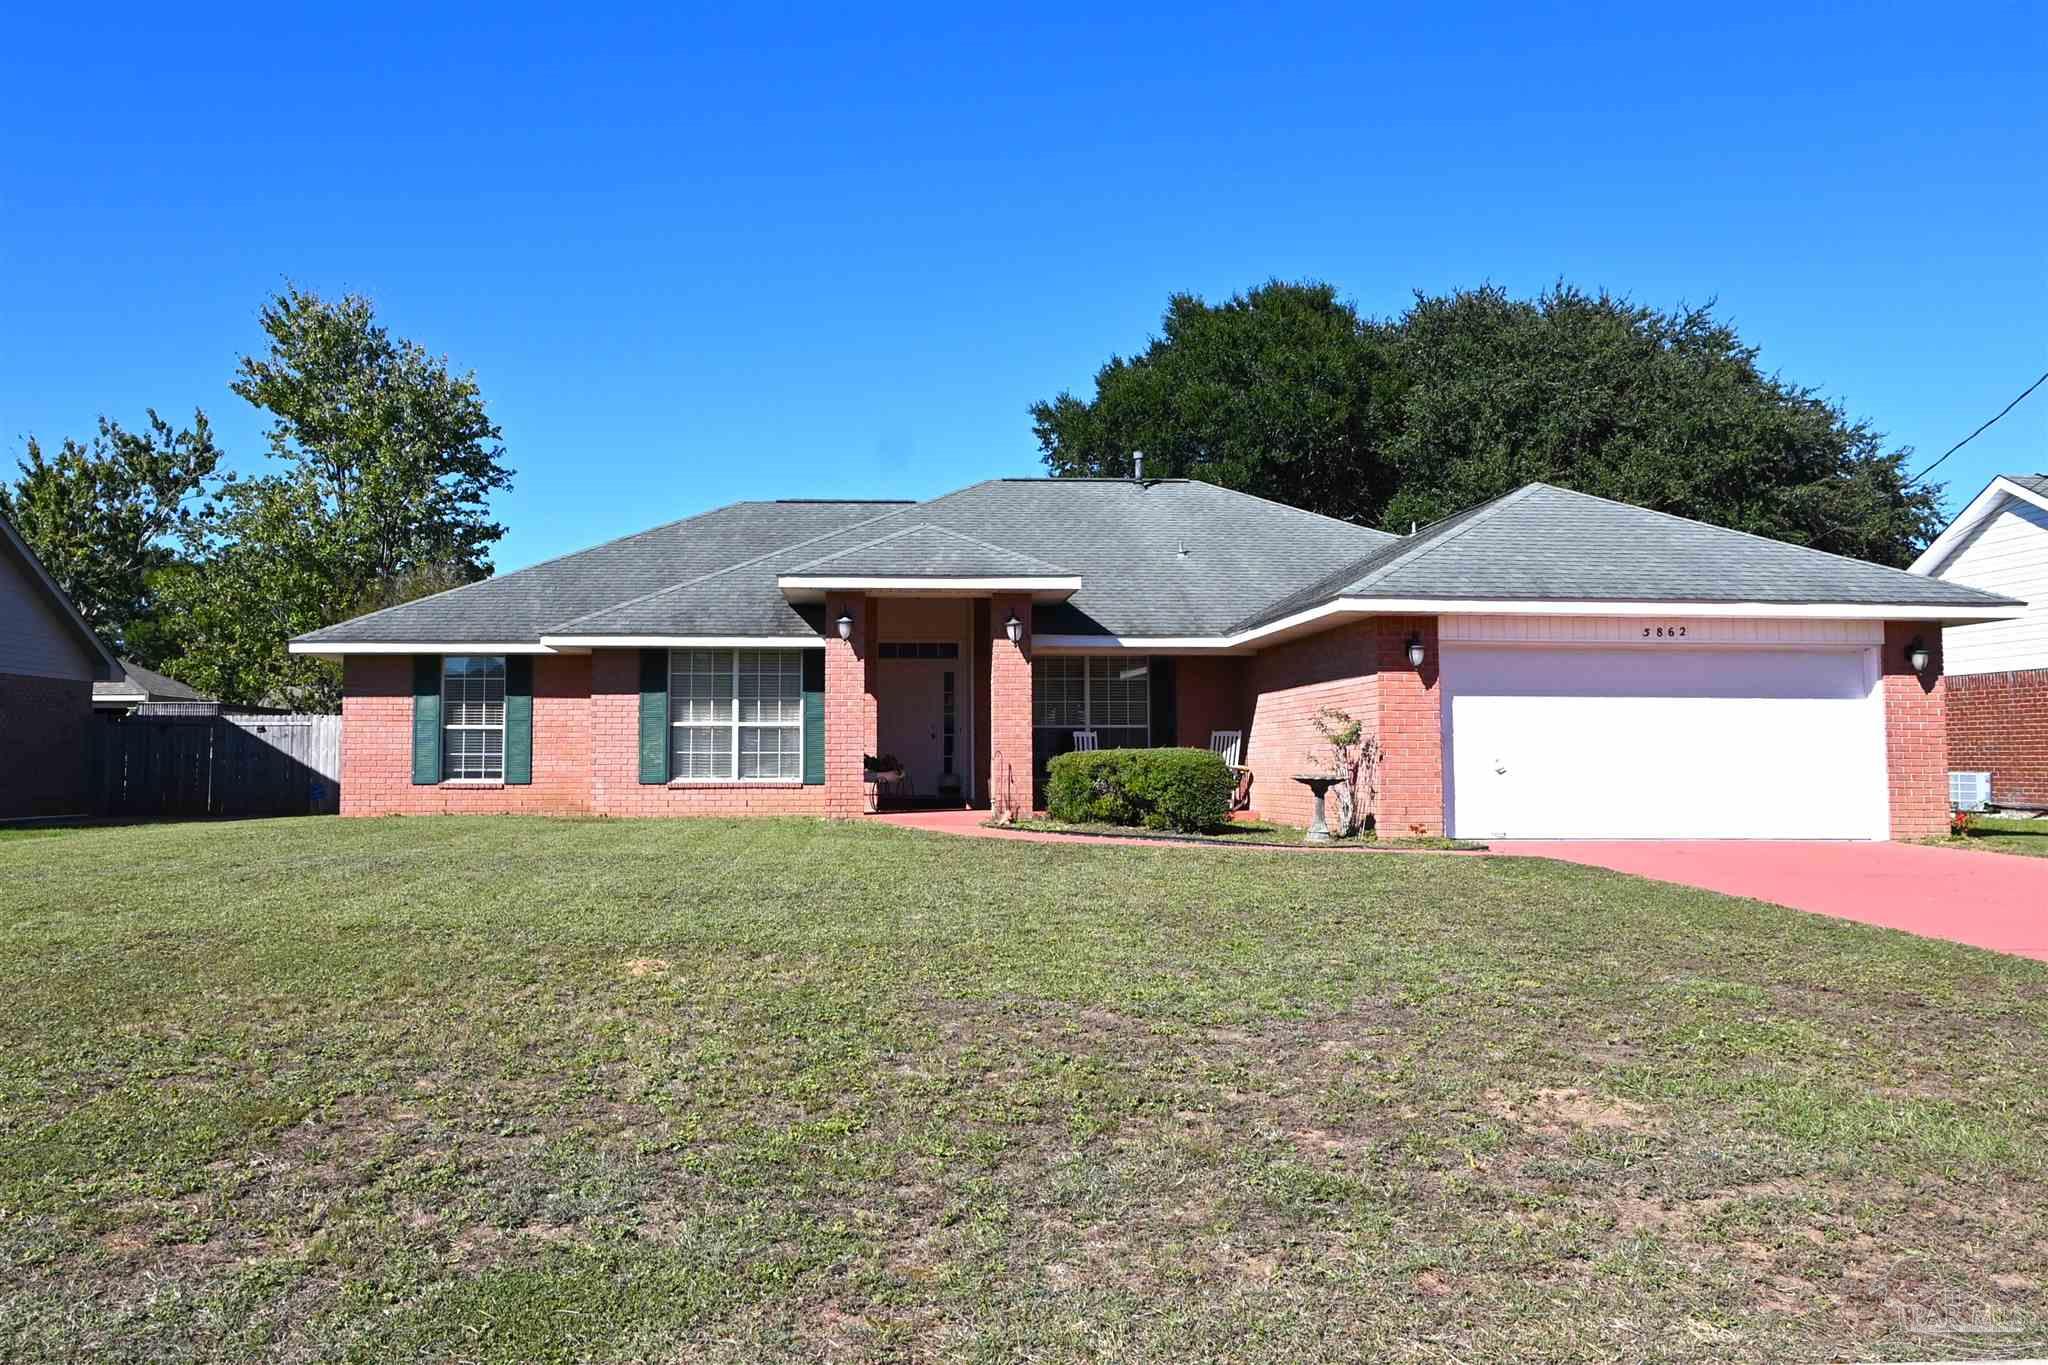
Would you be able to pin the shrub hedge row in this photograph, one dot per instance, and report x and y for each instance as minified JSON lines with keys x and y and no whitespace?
{"x":1187,"y":790}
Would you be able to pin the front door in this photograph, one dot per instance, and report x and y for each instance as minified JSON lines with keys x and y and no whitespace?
{"x":912,"y":719}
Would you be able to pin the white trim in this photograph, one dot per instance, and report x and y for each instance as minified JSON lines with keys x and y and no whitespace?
{"x":586,"y":642}
{"x":1478,"y":606}
{"x":337,"y":650}
{"x":1060,"y":584}
{"x":1839,"y":611}
{"x":1980,"y":507}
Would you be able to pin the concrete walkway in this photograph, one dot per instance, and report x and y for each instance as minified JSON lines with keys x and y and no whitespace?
{"x":1991,"y":900}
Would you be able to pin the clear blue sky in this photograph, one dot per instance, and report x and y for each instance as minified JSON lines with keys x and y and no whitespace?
{"x":755,"y":253}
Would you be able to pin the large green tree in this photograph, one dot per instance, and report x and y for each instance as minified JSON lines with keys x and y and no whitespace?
{"x":389,"y":464}
{"x":106,"y":518}
{"x":1288,"y":392}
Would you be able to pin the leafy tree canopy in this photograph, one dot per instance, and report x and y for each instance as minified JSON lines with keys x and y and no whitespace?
{"x":390,"y":463}
{"x":104,"y":518}
{"x":1288,"y":392}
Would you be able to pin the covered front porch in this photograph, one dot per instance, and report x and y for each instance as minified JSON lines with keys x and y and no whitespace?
{"x":939,"y":699}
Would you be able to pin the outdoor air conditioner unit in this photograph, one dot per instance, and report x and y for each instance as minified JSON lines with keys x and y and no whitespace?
{"x":1969,"y":791}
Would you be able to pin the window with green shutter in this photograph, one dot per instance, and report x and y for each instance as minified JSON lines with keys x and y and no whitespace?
{"x":653,"y":716}
{"x":426,"y":719}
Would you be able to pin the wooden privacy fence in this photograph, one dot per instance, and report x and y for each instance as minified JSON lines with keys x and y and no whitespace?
{"x":200,"y":765}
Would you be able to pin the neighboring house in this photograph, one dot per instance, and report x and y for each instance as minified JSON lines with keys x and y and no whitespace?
{"x":137,"y":688}
{"x":49,"y":660}
{"x":1998,"y":670}
{"x":1547,"y":664}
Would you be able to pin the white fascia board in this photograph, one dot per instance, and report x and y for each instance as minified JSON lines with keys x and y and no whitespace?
{"x":1983,"y":505}
{"x":336,"y":650}
{"x":580,"y":643}
{"x":1423,"y":606}
{"x":872,"y":583}
{"x":1808,"y":611}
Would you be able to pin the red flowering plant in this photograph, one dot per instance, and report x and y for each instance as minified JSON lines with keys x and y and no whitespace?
{"x":1958,"y":824}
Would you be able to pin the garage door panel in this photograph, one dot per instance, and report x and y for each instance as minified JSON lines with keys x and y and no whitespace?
{"x":1591,"y":743}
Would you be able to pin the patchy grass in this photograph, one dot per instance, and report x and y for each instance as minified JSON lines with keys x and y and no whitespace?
{"x":2002,"y":834}
{"x":1265,"y":832}
{"x":527,"y":1090}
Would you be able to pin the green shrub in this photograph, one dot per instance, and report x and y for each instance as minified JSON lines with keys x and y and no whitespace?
{"x":1187,"y":790}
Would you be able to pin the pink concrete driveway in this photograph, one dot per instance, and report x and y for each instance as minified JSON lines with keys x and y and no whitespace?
{"x":1991,"y":900}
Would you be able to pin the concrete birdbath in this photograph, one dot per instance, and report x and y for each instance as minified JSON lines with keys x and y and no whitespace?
{"x":1319,"y":785}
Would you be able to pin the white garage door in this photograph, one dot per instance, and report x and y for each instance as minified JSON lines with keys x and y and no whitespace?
{"x":1689,"y":743}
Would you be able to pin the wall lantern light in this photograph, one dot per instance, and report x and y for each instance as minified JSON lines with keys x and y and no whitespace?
{"x":845,"y":624}
{"x":1014,"y":628}
{"x":1415,"y":651}
{"x":1918,"y":655}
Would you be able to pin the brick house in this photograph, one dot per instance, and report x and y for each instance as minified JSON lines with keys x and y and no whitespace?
{"x":49,"y":661}
{"x":1546,"y":664}
{"x":1998,"y":670}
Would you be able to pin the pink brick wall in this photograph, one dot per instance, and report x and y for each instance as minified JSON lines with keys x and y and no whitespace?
{"x":1916,"y":733}
{"x":1998,"y":723}
{"x":1288,"y":684}
{"x":376,"y":744}
{"x":852,"y":713}
{"x":44,"y":744}
{"x":615,"y":758}
{"x":1209,"y":695}
{"x":1009,"y":704}
{"x":1411,"y":776}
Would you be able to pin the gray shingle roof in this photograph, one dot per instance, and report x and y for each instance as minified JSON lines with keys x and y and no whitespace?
{"x":515,"y":607}
{"x":1168,"y":557}
{"x":1165,"y":558}
{"x":153,"y":685}
{"x":927,"y":551}
{"x":1543,"y":543}
{"x":2033,"y":483}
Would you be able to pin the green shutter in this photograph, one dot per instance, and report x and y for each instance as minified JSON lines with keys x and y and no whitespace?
{"x":814,"y":718}
{"x":518,"y":720}
{"x":653,"y":717}
{"x":426,"y":719}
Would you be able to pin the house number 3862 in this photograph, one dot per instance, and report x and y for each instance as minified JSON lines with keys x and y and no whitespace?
{"x":1663,"y":632}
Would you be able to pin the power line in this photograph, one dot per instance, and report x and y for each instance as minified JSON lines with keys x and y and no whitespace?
{"x":1978,"y":432}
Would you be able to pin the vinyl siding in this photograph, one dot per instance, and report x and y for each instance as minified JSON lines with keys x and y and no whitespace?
{"x":2007,"y":552}
{"x":34,"y":640}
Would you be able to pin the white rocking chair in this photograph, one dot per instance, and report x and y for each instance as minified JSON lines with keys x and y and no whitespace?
{"x":1228,"y":745}
{"x":1084,"y":742}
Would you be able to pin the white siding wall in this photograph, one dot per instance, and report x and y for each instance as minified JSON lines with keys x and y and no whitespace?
{"x":2007,"y":552}
{"x":1621,"y":630}
{"x":34,"y":639}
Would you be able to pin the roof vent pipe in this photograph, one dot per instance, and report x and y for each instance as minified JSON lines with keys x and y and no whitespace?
{"x":1138,"y":465}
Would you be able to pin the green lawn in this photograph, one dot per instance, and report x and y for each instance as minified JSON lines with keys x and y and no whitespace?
{"x":518,"y":1090}
{"x":2004,"y":834}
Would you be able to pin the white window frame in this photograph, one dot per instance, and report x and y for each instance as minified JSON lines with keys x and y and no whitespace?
{"x":730,"y":660}
{"x":486,"y":726}
{"x":1089,"y":719}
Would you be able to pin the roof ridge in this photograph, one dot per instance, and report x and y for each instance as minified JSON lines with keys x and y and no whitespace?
{"x":1399,"y":550}
{"x":749,"y":563}
{"x":1476,"y":515}
{"x":1733,"y":531}
{"x":926,"y":526}
{"x":1290,"y":507}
